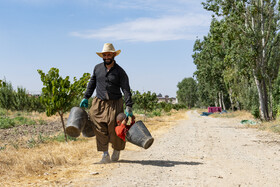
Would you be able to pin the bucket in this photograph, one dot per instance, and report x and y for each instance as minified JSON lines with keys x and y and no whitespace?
{"x":76,"y":121}
{"x":139,"y":135}
{"x":88,"y":129}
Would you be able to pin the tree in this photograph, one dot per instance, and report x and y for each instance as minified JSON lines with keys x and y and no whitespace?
{"x":146,"y":101}
{"x":209,"y":58}
{"x":6,"y":96}
{"x":21,"y":100}
{"x":254,"y":25}
{"x":186,"y":93}
{"x":58,"y":93}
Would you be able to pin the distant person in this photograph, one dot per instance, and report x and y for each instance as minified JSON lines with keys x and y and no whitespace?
{"x":108,"y":79}
{"x":122,"y":127}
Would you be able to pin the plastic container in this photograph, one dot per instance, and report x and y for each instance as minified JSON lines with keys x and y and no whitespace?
{"x":139,"y":135}
{"x":76,"y":121}
{"x":88,"y":129}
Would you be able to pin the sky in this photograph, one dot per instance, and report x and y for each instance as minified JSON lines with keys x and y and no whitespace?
{"x":156,"y":39}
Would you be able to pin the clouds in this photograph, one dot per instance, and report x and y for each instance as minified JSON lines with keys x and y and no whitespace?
{"x":165,"y":28}
{"x":163,"y":20}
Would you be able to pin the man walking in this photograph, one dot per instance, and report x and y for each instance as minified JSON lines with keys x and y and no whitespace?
{"x":108,"y":79}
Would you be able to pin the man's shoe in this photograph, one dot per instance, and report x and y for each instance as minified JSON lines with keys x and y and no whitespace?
{"x":115,"y":156}
{"x":105,"y":159}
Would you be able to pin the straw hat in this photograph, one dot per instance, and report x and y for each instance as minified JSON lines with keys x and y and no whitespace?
{"x":108,"y":47}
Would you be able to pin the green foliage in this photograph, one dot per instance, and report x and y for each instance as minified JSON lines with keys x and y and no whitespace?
{"x":166,"y":107}
{"x":60,"y":138}
{"x":255,"y":111}
{"x":19,"y":100}
{"x":156,"y":112}
{"x":6,"y":96}
{"x":2,"y":83}
{"x":146,"y":101}
{"x":58,"y":94}
{"x":2,"y":112}
{"x":240,"y":55}
{"x":179,"y":106}
{"x":6,"y":122}
{"x":186,"y":93}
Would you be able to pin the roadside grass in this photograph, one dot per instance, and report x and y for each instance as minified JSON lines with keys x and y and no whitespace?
{"x":40,"y":139}
{"x":49,"y":155}
{"x":271,"y":126}
{"x":7,"y":122}
{"x":235,"y":114}
{"x":9,"y":119}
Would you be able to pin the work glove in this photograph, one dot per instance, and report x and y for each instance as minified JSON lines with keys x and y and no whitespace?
{"x":84,"y":103}
{"x":128,"y":111}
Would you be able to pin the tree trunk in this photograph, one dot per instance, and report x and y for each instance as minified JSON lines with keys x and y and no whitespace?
{"x":230,"y":98}
{"x":262,"y":98}
{"x":62,"y":121}
{"x":220,"y":100}
{"x":224,"y":107}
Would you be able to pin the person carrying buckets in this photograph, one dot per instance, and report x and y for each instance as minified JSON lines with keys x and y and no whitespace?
{"x":108,"y":79}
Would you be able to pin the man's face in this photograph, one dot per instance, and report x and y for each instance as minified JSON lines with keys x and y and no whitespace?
{"x":108,"y":57}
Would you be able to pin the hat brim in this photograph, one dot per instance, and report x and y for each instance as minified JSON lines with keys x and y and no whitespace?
{"x":101,"y":53}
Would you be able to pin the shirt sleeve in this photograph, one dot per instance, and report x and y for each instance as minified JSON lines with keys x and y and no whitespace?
{"x":126,"y":89}
{"x":91,"y":85}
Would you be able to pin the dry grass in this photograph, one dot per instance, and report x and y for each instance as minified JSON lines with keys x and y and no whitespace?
{"x":236,"y":114}
{"x":272,"y":126}
{"x":52,"y":161}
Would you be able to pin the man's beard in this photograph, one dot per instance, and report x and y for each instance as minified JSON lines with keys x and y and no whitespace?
{"x":108,"y":61}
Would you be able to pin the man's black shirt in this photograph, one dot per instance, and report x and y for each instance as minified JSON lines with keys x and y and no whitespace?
{"x":109,"y":83}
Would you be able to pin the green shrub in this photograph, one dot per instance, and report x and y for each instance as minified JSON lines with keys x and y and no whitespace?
{"x":179,"y":106}
{"x":20,"y":120}
{"x":60,"y":138}
{"x":156,"y":113}
{"x":255,"y":111}
{"x":168,"y":107}
{"x":2,"y":112}
{"x":6,"y":123}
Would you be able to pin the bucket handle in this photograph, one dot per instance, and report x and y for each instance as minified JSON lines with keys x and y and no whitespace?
{"x":127,"y":118}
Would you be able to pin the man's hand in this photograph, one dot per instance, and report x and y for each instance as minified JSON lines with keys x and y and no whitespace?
{"x":128,"y":111}
{"x":84,"y":103}
{"x":133,"y":119}
{"x":124,"y":122}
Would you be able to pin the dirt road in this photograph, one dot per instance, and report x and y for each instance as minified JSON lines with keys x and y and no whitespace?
{"x":200,"y":151}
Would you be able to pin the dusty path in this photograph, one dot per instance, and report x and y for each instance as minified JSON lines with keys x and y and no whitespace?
{"x":201,"y":151}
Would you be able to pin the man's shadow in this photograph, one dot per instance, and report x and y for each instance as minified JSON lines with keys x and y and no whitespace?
{"x":160,"y":163}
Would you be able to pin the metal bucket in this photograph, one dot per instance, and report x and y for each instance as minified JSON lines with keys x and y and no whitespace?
{"x":139,"y":135}
{"x":88,"y":129}
{"x":76,"y":121}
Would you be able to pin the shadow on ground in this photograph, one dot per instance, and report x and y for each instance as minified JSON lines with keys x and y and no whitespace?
{"x":161,"y":163}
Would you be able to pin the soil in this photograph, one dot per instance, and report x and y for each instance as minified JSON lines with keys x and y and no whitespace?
{"x":199,"y":151}
{"x":19,"y":133}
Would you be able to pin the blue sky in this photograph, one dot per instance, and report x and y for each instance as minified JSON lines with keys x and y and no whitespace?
{"x":156,"y":38}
